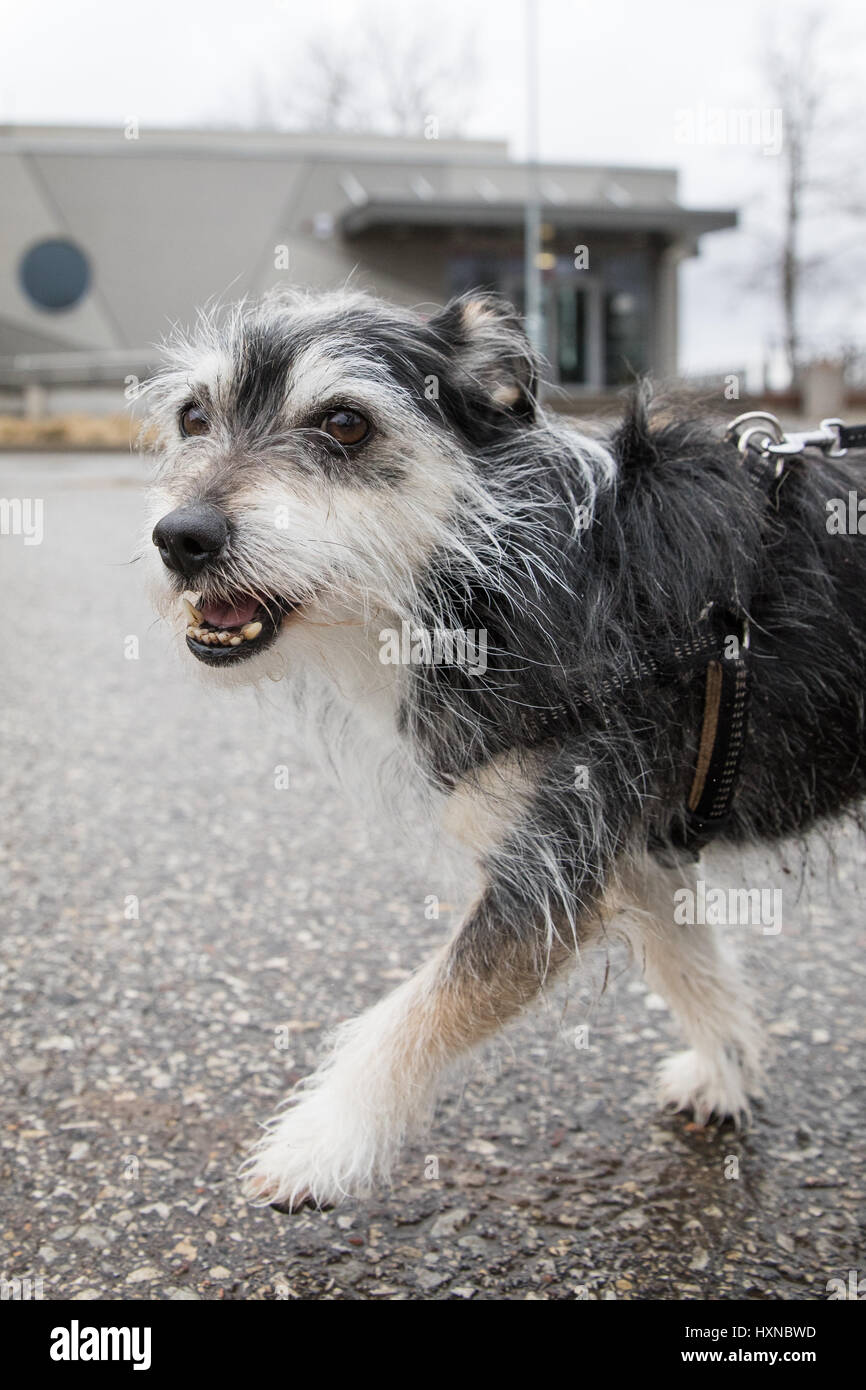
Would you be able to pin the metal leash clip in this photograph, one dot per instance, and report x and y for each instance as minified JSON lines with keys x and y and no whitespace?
{"x":759,"y":430}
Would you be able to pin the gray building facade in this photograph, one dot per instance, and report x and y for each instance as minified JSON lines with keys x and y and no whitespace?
{"x":111,"y":236}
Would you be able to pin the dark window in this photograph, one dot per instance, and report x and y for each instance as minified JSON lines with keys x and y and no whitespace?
{"x":571,"y":307}
{"x":54,"y":274}
{"x":625,"y":338}
{"x":626,"y":276}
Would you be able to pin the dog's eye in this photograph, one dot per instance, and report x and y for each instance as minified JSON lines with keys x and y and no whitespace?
{"x":193,"y":421}
{"x":346,"y":426}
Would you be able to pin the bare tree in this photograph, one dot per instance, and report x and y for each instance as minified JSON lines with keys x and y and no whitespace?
{"x":799,"y":87}
{"x":814,"y":235}
{"x":390,"y":72}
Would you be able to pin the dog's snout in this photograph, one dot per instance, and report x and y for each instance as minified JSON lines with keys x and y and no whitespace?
{"x":190,"y":537}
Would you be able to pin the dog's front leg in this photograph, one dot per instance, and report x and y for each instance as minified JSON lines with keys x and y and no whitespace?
{"x":342,"y":1130}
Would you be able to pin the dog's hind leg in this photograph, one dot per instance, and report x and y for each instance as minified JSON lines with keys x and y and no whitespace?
{"x":343,"y":1128}
{"x":693,"y":969}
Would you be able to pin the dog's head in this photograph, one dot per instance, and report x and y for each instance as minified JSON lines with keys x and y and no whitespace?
{"x":313,"y":450}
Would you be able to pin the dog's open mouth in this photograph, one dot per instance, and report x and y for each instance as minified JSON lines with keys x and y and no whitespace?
{"x":235,"y":629}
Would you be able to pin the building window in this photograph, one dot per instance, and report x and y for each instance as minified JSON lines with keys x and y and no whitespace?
{"x":596,"y":326}
{"x":54,"y":274}
{"x":627,"y":277}
{"x":572,"y":356}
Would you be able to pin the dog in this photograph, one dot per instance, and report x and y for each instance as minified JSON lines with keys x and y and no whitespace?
{"x":342,"y":485}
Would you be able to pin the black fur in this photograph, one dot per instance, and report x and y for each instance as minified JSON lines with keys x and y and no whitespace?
{"x":682,"y":526}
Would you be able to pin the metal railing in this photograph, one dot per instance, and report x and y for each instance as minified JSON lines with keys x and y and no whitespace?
{"x":103,"y":366}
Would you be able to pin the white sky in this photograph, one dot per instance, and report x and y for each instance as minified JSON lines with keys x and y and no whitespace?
{"x":613,"y":75}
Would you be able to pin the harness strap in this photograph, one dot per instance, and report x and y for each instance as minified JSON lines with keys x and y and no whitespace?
{"x":852,"y":436}
{"x":726,"y":700}
{"x":687,"y":652}
{"x":719,"y":648}
{"x":720,"y":751}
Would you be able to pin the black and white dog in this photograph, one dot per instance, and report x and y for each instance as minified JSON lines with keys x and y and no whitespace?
{"x":335,"y":471}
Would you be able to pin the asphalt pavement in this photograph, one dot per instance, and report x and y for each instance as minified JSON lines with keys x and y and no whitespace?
{"x":180,"y":933}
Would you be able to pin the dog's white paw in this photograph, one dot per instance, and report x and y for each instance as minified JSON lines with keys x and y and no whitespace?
{"x":314,"y":1154}
{"x":705,"y":1085}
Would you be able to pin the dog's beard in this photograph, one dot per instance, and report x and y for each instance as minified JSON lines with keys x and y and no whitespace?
{"x":241,"y":636}
{"x":284,"y":588}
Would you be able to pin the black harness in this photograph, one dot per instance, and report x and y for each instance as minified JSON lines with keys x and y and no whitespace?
{"x":721,"y":646}
{"x":723,"y":736}
{"x":765,"y":449}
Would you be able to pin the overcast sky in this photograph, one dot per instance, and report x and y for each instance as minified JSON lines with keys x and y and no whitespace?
{"x":615,"y":77}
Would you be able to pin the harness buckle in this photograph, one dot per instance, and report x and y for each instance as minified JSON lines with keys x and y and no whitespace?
{"x":762,"y":432}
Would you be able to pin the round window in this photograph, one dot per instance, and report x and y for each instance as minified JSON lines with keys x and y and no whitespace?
{"x":54,"y":274}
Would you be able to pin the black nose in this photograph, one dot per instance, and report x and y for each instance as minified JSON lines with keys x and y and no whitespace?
{"x":190,"y":537}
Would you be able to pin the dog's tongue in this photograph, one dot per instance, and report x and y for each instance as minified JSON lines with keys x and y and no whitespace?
{"x":225,"y":615}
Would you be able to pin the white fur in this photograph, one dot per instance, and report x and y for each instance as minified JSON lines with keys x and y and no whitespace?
{"x":343,"y":1129}
{"x":695,"y":972}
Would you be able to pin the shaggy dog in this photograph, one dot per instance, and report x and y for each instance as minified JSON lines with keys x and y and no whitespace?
{"x":546,"y":634}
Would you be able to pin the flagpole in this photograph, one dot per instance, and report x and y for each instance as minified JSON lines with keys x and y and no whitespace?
{"x":532,"y":215}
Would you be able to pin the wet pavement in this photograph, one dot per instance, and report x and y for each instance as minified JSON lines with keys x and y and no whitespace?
{"x":180,"y":932}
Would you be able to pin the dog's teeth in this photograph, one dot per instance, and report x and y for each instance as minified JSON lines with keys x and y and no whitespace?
{"x":211,"y":637}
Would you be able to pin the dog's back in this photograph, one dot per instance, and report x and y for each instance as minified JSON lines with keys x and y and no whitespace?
{"x":789,"y":554}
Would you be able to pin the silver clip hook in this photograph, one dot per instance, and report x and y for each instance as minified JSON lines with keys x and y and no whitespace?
{"x":753,"y":422}
{"x":834,"y":427}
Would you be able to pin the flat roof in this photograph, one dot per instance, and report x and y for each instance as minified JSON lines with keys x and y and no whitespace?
{"x":241,"y":143}
{"x":479,"y":212}
{"x":237,"y":140}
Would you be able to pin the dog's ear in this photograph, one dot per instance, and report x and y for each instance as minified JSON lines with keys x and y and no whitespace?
{"x":484,"y":335}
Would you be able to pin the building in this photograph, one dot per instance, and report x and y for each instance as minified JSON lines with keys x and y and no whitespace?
{"x":112,"y":235}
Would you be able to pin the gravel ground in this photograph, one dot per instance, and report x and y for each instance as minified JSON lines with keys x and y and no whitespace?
{"x":171,"y":917}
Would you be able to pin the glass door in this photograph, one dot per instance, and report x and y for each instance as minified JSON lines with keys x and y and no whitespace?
{"x":574,"y":327}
